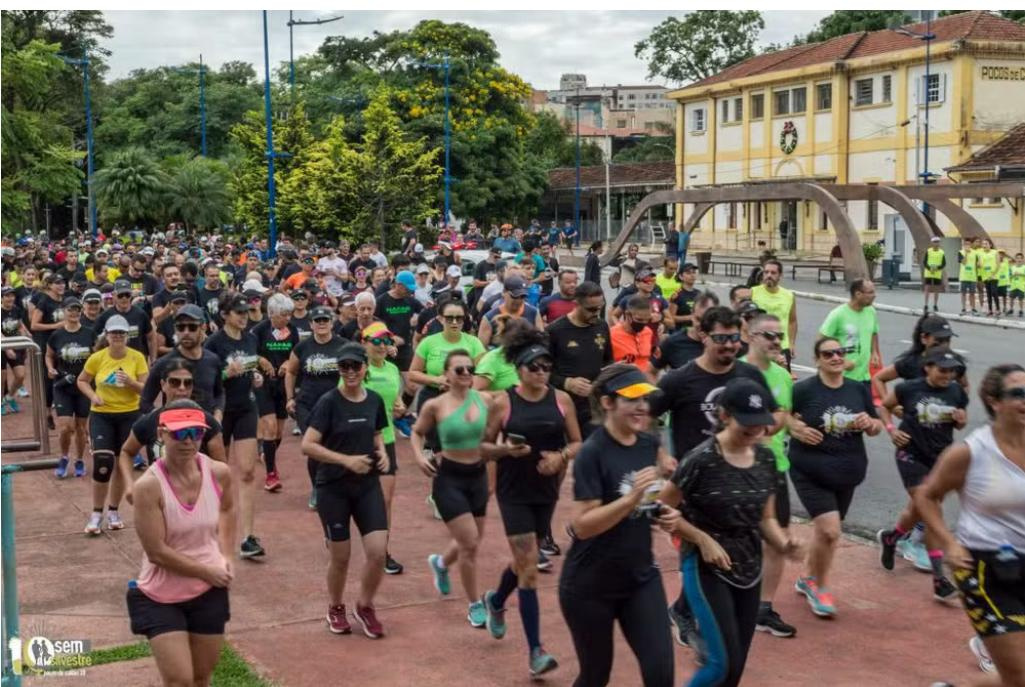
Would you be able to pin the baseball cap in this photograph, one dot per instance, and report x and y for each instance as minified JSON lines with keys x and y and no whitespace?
{"x":92,"y":295}
{"x":311,"y":285}
{"x":179,"y":295}
{"x":937,"y":326}
{"x":236,"y":303}
{"x":352,"y":351}
{"x":116,"y":324}
{"x":406,"y":278}
{"x":516,"y":286}
{"x":644,"y":273}
{"x":688,"y":266}
{"x":748,"y":309}
{"x":376,"y":329}
{"x":934,"y":239}
{"x":453,"y":271}
{"x":71,"y":302}
{"x":531,"y":354}
{"x":423,"y":269}
{"x":190,"y":311}
{"x":183,"y":418}
{"x":495,"y":250}
{"x":630,"y":384}
{"x":322,"y":311}
{"x":122,"y":286}
{"x":6,"y":290}
{"x":348,"y":299}
{"x":254,"y":285}
{"x":148,"y":250}
{"x":747,"y":401}
{"x":942,"y":356}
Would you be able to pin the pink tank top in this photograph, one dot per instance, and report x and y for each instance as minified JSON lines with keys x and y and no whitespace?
{"x":191,"y":531}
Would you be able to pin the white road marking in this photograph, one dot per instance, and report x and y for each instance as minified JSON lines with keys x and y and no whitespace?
{"x":959,"y":351}
{"x":802,"y":368}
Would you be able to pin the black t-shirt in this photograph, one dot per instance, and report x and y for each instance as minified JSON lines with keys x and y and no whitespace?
{"x":145,"y":284}
{"x":578,"y":352}
{"x":139,"y":326}
{"x":145,"y":430}
{"x":67,"y":274}
{"x":912,"y":366}
{"x":71,"y":349}
{"x":163,"y":297}
{"x":684,"y":301}
{"x":302,"y":327}
{"x":207,"y":385}
{"x":727,"y":503}
{"x":238,"y":391}
{"x":691,"y":395}
{"x":210,"y":302}
{"x":549,"y":281}
{"x":367,"y":264}
{"x":318,"y":369}
{"x":619,"y":559}
{"x":347,"y":427}
{"x":408,"y":240}
{"x":11,"y":320}
{"x":927,"y":416}
{"x":397,"y":314}
{"x":275,"y":350}
{"x":52,"y":312}
{"x":839,"y":461}
{"x":677,"y":350}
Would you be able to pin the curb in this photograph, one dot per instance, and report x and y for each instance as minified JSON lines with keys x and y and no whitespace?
{"x":999,"y":322}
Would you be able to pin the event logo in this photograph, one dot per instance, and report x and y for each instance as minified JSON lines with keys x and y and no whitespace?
{"x":40,"y":655}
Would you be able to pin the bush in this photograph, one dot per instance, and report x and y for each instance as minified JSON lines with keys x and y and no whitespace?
{"x":872,"y":251}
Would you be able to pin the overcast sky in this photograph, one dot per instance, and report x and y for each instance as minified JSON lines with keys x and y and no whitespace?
{"x":539,"y":46}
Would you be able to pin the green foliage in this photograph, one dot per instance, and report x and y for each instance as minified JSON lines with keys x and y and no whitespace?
{"x":843,"y":22}
{"x":872,"y":251}
{"x":701,"y":44}
{"x":198,"y":194}
{"x":131,"y":188}
{"x":553,"y":142}
{"x":651,"y":149}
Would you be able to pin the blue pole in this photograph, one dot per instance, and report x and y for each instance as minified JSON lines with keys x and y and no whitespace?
{"x":202,"y":105}
{"x":89,"y":148}
{"x":576,"y":193}
{"x":448,"y":149}
{"x":272,"y":220}
{"x":10,"y":576}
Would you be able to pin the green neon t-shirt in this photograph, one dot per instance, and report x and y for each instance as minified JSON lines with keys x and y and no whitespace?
{"x":386,"y":380}
{"x":499,"y":372}
{"x":781,"y":384}
{"x":854,"y":330}
{"x":435,"y":347}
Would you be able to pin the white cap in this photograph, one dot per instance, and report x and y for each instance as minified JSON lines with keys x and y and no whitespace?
{"x":116,"y":324}
{"x":423,"y":269}
{"x":453,"y":271}
{"x":935,"y":239}
{"x":418,"y":248}
{"x":148,"y":250}
{"x":254,"y":285}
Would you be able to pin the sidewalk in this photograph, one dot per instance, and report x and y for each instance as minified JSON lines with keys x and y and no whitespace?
{"x":889,"y":630}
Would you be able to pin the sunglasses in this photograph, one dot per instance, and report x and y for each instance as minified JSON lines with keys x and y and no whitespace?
{"x":123,"y":295}
{"x":770,"y":336}
{"x":350,"y":366}
{"x":179,"y":382}
{"x":833,"y":353}
{"x":378,"y":341}
{"x":321,"y":320}
{"x":194,"y":433}
{"x":1015,"y":392}
{"x":464,"y":370}
{"x":186,"y":327}
{"x":539,"y":367}
{"x":452,"y":319}
{"x":725,"y":338}
{"x":300,"y":297}
{"x":117,"y":333}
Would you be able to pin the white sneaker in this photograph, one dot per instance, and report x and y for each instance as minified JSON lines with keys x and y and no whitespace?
{"x":23,"y":392}
{"x":981,"y":655}
{"x":93,"y":526}
{"x":114,"y":521}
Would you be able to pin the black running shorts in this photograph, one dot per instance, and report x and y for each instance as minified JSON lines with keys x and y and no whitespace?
{"x":526,"y":518}
{"x":207,"y":614}
{"x":993,"y":593}
{"x":818,"y":499}
{"x":459,"y":489}
{"x":359,"y":499}
{"x":239,"y":425}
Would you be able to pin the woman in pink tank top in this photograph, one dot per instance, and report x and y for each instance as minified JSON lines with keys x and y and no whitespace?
{"x":185,"y":519}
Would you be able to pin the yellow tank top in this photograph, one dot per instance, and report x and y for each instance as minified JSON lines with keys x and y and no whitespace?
{"x":933,"y":263}
{"x":779,"y":304}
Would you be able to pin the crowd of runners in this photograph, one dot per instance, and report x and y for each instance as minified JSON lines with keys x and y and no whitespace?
{"x":176,"y":364}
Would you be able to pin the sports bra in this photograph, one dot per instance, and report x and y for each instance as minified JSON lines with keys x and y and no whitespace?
{"x":457,"y":432}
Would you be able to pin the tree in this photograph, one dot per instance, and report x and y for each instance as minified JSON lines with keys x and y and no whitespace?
{"x":842,"y":22}
{"x":703,"y":43}
{"x":198,"y":194}
{"x":131,"y":188}
{"x":650,"y":149}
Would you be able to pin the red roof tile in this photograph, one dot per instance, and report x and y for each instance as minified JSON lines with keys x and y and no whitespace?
{"x":1006,"y":151}
{"x":634,"y":173}
{"x":976,"y":24}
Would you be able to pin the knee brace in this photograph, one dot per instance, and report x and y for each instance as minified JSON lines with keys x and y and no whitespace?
{"x":103,"y":466}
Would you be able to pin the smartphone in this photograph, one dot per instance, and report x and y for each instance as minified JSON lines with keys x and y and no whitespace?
{"x":516,"y":439}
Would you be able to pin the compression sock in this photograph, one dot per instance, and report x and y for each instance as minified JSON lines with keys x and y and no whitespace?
{"x":505,"y":587}
{"x":530,"y":614}
{"x":892,"y":536}
{"x":936,"y":561}
{"x":270,"y":452}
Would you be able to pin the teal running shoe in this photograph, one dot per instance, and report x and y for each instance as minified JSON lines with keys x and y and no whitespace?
{"x":821,"y":601}
{"x":441,"y":582}
{"x":477,"y":616}
{"x":541,"y":662}
{"x":496,"y":616}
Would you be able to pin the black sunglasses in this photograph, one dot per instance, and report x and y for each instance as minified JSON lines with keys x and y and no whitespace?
{"x":179,"y":382}
{"x":725,"y":338}
{"x":464,"y":369}
{"x":321,"y":320}
{"x":452,"y":319}
{"x":770,"y":336}
{"x":833,"y":353}
{"x":182,"y":327}
{"x":539,"y":367}
{"x":1015,"y":392}
{"x":124,"y":295}
{"x":350,"y":366}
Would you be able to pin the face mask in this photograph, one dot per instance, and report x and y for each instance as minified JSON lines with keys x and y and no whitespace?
{"x":638,"y":327}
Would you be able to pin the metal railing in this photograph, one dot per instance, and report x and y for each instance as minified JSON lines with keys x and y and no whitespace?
{"x":34,"y":361}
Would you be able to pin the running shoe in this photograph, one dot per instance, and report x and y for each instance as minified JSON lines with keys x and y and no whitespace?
{"x":541,"y":662}
{"x":61,"y":471}
{"x":367,"y":619}
{"x":769,"y":621}
{"x":441,"y":581}
{"x":138,"y":462}
{"x":312,"y":503}
{"x":821,"y":601}
{"x":543,"y":563}
{"x":336,"y":620}
{"x":392,"y":566}
{"x":549,"y":547}
{"x":477,"y":615}
{"x":5,"y":408}
{"x":14,"y":405}
{"x":114,"y":521}
{"x":23,"y":392}
{"x":95,"y":520}
{"x":918,"y":556}
{"x":403,"y":426}
{"x":888,"y":546}
{"x":79,"y":468}
{"x":682,"y":626}
{"x":981,"y":654}
{"x":295,"y":431}
{"x":251,"y":548}
{"x":943,"y":590}
{"x":273,"y":482}
{"x":495,"y":621}
{"x":434,"y":507}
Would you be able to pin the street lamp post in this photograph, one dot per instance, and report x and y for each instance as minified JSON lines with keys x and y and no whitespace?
{"x":291,"y":46}
{"x":576,"y":192}
{"x":271,"y":218}
{"x":202,"y":102}
{"x":925,"y":176}
{"x":84,"y":63}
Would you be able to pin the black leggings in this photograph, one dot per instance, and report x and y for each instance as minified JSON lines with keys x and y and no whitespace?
{"x":726,"y":618}
{"x":992,"y":295}
{"x":642,"y":618}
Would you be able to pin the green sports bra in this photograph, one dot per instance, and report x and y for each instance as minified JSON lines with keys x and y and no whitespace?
{"x":456,"y":432}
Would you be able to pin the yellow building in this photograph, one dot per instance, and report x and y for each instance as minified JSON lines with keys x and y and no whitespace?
{"x":851,"y":110}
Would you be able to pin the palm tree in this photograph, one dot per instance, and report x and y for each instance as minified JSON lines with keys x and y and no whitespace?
{"x":131,"y":187}
{"x":199,"y":195}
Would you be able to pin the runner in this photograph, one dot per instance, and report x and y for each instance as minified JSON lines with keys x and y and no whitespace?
{"x":300,"y":320}
{"x":46,"y":316}
{"x":779,"y":301}
{"x":275,"y":340}
{"x":828,"y":460}
{"x":592,"y":263}
{"x":460,"y":491}
{"x":141,"y":335}
{"x":513,"y":304}
{"x":384,"y":378}
{"x":208,"y":387}
{"x":856,"y":325}
{"x":12,"y":324}
{"x":933,"y":407}
{"x":633,"y":340}
{"x":541,"y":435}
{"x":669,"y":283}
{"x":344,"y":438}
{"x":681,"y":306}
{"x":120,"y":373}
{"x":727,"y":486}
{"x":610,"y":574}
{"x":185,"y":519}
{"x":687,"y":342}
{"x":67,"y":349}
{"x":561,"y":303}
{"x":1003,"y":281}
{"x":1017,"y":285}
{"x":237,"y":350}
{"x":987,"y":556}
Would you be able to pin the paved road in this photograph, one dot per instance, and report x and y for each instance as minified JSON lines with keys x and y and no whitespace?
{"x":881,"y":497}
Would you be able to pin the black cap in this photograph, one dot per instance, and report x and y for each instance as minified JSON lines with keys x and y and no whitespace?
{"x":747,"y":401}
{"x":748,"y":309}
{"x":688,"y":266}
{"x":7,"y":289}
{"x":347,"y":299}
{"x":79,"y":278}
{"x":71,"y":302}
{"x":236,"y":303}
{"x":322,"y":311}
{"x":352,"y":351}
{"x":531,"y":354}
{"x":311,"y":285}
{"x":644,"y":273}
{"x":299,"y":293}
{"x":942,"y":356}
{"x":251,"y":294}
{"x":179,"y":295}
{"x":937,"y":326}
{"x":516,"y":286}
{"x":122,"y":286}
{"x":190,"y":311}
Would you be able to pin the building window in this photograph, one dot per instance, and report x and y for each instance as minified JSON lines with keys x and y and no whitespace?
{"x":781,"y":103}
{"x":863,"y":92}
{"x":934,"y":88}
{"x":620,"y":123}
{"x":757,"y":215}
{"x":731,"y":216}
{"x":697,"y":120}
{"x":738,"y":109}
{"x":824,"y":96}
{"x":757,"y":106}
{"x":823,"y":221}
{"x":872,"y":219}
{"x":631,"y":97}
{"x":725,"y":111}
{"x":887,"y":88}
{"x":799,"y":100}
